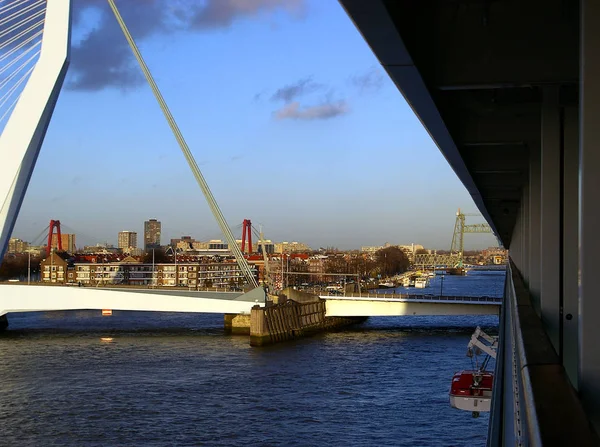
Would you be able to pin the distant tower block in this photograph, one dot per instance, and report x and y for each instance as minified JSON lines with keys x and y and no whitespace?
{"x":54,"y":224}
{"x":247,"y":231}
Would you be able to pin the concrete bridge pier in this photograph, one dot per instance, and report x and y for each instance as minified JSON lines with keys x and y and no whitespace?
{"x":237,"y":324}
{"x":292,"y":320}
{"x":295,"y":315}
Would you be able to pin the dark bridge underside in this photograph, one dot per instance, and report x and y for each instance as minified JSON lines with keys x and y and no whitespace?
{"x":474,"y":71}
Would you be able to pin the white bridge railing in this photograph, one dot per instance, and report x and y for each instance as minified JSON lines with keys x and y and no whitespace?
{"x":417,"y":298}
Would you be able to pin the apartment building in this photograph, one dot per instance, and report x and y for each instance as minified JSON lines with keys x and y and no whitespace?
{"x":193,"y":275}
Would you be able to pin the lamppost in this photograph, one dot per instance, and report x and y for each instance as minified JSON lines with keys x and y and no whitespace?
{"x":287,"y":271}
{"x":174,"y":251}
{"x":29,"y":267}
{"x":442,"y":285}
{"x":153,"y":275}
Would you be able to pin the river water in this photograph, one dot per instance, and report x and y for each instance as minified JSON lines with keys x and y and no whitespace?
{"x":157,"y":379}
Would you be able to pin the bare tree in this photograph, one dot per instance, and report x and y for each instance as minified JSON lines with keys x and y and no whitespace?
{"x":159,"y":256}
{"x":391,"y":261}
{"x":336,"y":264}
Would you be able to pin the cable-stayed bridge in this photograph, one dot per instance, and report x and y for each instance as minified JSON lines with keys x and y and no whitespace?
{"x":35,"y":50}
{"x":35,"y":43}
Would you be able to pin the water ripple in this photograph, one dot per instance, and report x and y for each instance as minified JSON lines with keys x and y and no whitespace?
{"x":140,"y":379}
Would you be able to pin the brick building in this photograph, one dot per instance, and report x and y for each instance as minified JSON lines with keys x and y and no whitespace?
{"x":57,"y":268}
{"x":67,"y":242}
{"x":16,"y":245}
{"x":190,"y":274}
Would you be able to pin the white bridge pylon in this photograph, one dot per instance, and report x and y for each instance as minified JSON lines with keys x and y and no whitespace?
{"x":25,"y":130}
{"x":20,"y":143}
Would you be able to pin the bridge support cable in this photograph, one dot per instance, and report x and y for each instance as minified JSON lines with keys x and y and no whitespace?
{"x":214,"y":207}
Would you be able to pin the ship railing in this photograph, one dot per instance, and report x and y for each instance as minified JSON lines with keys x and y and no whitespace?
{"x":533,"y":401}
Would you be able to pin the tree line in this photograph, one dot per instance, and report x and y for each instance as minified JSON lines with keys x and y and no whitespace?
{"x":16,"y":266}
{"x":386,"y":262}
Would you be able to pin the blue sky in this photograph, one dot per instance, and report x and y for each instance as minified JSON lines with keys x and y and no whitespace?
{"x":292,"y":120}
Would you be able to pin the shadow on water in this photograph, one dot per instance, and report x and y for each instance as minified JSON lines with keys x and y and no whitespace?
{"x":153,"y":379}
{"x":156,"y":324}
{"x":91,"y":333}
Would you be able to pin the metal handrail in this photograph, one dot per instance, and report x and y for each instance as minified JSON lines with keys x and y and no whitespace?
{"x":406,"y":297}
{"x":533,"y":402}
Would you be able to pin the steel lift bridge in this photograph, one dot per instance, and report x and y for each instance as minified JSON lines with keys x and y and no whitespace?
{"x":455,"y":258}
{"x":34,"y":57}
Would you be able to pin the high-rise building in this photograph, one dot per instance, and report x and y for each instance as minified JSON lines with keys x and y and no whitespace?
{"x":67,"y":241}
{"x":151,"y":234}
{"x":127,"y":240}
{"x":17,"y":245}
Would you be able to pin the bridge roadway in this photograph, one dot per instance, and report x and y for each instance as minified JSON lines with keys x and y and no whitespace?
{"x":21,"y":298}
{"x":371,"y":305}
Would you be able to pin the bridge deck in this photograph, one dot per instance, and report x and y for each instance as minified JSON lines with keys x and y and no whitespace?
{"x":398,"y":305}
{"x":401,"y":297}
{"x":19,"y":298}
{"x":15,"y":298}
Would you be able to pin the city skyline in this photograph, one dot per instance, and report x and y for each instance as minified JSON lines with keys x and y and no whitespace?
{"x":312,"y":141}
{"x":128,"y":239}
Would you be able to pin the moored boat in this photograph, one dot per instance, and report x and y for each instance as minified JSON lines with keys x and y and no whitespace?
{"x":421,"y":282}
{"x":457,"y":271}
